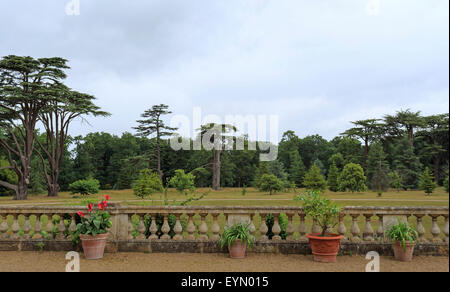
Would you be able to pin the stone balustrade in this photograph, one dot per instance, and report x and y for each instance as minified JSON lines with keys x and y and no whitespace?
{"x":143,"y":227}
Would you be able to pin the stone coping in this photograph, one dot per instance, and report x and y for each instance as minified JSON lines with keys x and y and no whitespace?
{"x":116,"y":208}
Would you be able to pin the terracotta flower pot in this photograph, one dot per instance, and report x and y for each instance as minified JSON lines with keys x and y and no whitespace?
{"x":404,"y":255}
{"x":325,"y":249}
{"x":93,"y":246}
{"x":237,"y":250}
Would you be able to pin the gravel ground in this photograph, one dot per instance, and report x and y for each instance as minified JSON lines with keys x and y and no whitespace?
{"x":141,"y":262}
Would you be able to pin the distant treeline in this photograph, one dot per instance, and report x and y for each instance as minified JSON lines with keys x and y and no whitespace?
{"x":406,"y":142}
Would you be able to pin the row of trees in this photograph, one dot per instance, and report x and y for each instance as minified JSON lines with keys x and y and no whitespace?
{"x":32,"y":91}
{"x":116,"y":161}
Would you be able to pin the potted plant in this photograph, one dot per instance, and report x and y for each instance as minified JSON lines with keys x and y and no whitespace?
{"x":237,"y":237}
{"x":325,"y":246}
{"x":403,"y":240}
{"x":93,"y":230}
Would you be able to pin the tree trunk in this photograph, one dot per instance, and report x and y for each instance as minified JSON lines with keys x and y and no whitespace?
{"x":53,"y":188}
{"x":158,"y":157}
{"x":21,"y":191}
{"x":216,"y":171}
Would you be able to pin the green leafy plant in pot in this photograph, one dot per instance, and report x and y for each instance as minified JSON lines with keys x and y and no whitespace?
{"x":324,"y":245}
{"x":93,"y":230}
{"x":403,"y":240}
{"x":237,"y":237}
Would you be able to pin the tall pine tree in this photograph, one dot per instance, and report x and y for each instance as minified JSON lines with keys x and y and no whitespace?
{"x":333,"y":178}
{"x":296,"y":169}
{"x":427,"y":181}
{"x":375,"y":161}
{"x":407,"y":164}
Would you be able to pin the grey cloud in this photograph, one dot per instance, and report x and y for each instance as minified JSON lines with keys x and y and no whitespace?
{"x":318,"y":64}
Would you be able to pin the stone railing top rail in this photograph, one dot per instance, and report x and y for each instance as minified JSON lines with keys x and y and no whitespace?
{"x":116,"y":208}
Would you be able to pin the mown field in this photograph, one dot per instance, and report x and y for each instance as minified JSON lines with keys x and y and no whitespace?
{"x":253,"y":197}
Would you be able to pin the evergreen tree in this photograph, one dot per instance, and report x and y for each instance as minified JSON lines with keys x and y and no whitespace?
{"x":152,"y":123}
{"x":380,"y":180}
{"x":407,"y":164}
{"x":395,"y":180}
{"x":314,"y":179}
{"x":376,"y":160}
{"x":321,"y":166}
{"x":446,"y":182}
{"x":333,"y":176}
{"x":297,"y":169}
{"x":338,"y":160}
{"x":427,"y":181}
{"x":352,"y":178}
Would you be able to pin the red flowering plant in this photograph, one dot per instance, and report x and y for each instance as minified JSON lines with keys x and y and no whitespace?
{"x":96,"y":222}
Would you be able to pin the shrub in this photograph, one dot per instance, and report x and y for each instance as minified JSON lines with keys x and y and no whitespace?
{"x":321,"y":210}
{"x":402,"y":233}
{"x":183,"y":182}
{"x":147,"y":184}
{"x":236,"y":232}
{"x":85,"y":187}
{"x":270,"y":183}
{"x":314,"y":179}
{"x":426,"y":181}
{"x":352,"y":178}
{"x":244,"y":190}
{"x":396,"y":181}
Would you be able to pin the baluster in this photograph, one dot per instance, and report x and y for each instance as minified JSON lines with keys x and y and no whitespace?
{"x":61,"y":228}
{"x":290,"y":227}
{"x":302,"y":229}
{"x":420,"y":229}
{"x":153,"y":228}
{"x":141,"y":228}
{"x":203,"y":228}
{"x":49,"y":227}
{"x":73,"y":225}
{"x":165,"y":228}
{"x":368,"y":230}
{"x":4,"y":227}
{"x":190,"y":228}
{"x":342,"y":230}
{"x":178,"y":229}
{"x":15,"y":227}
{"x":252,"y":227}
{"x":355,"y":229}
{"x":435,"y":230}
{"x":445,"y":231}
{"x":26,"y":226}
{"x":263,"y":228}
{"x":37,"y":227}
{"x":131,"y":232}
{"x":380,"y":229}
{"x":276,"y":229}
{"x":215,"y":228}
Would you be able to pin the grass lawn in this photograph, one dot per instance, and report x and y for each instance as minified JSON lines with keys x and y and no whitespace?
{"x":253,"y":197}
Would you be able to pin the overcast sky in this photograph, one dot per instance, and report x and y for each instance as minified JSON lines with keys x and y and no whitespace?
{"x":318,"y":64}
